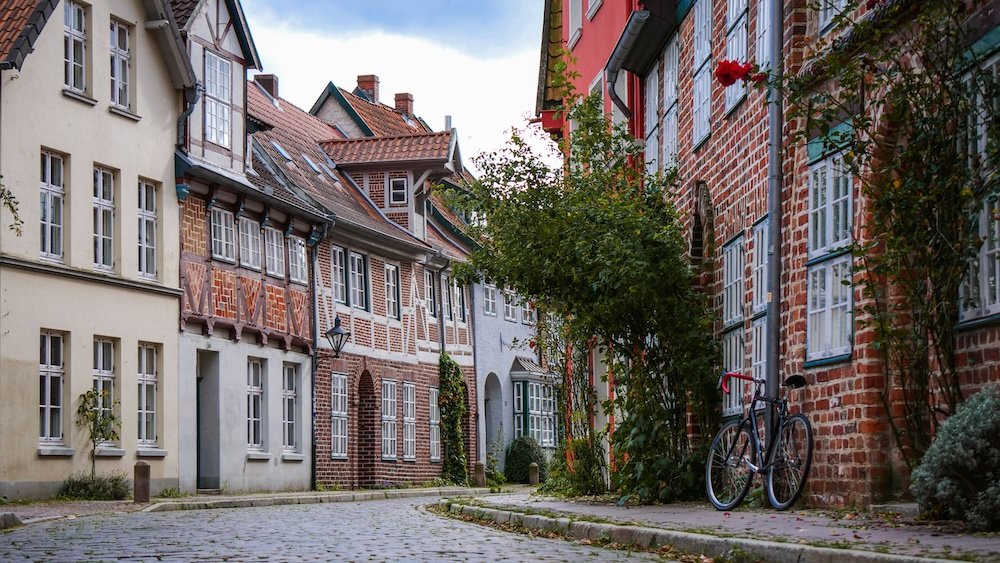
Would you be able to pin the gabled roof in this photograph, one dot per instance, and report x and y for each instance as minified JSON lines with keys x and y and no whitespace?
{"x":422,"y":147}
{"x":526,"y":368}
{"x":549,"y":97}
{"x":372,"y":117}
{"x":298,"y":133}
{"x":185,"y":9}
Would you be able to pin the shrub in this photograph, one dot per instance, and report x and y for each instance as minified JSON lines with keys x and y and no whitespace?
{"x":494,"y":478}
{"x":112,"y":486}
{"x":520,"y":454}
{"x":587,"y":477}
{"x":959,"y":476}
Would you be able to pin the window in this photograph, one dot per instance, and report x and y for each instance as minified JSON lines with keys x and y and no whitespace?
{"x":218,"y":97}
{"x":388,"y":419}
{"x":702,"y":71}
{"x":339,"y":274}
{"x":409,"y":421}
{"x":249,"y":243}
{"x":274,"y":252}
{"x":446,"y":289}
{"x":575,"y":22}
{"x":489,"y":300}
{"x":52,"y":192}
{"x":670,"y":78}
{"x":297,"y":270}
{"x":829,"y":206}
{"x":459,"y":290}
{"x":359,"y":281}
{"x":980,"y":294}
{"x":652,"y":85}
{"x":74,"y":47}
{"x":732,"y":360}
{"x":121,"y":64}
{"x":736,"y":46}
{"x":397,"y":191}
{"x":509,"y":307}
{"x":548,"y":416}
{"x":147,"y":229}
{"x":431,"y":297}
{"x":51,"y":373}
{"x":147,"y":380}
{"x":435,"y":424}
{"x":518,"y":410}
{"x":255,"y":404}
{"x":104,"y":374}
{"x":104,"y":219}
{"x":223,"y":235}
{"x":289,"y":407}
{"x":527,"y":315}
{"x":592,"y":7}
{"x":338,"y":415}
{"x":828,"y":10}
{"x":759,"y":272}
{"x":764,"y":33}
{"x":621,"y":89}
{"x":732,"y":282}
{"x":829,"y":309}
{"x":392,"y":291}
{"x":758,"y":347}
{"x":541,"y":413}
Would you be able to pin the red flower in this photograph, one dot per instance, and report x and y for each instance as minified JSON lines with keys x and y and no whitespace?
{"x":730,"y":72}
{"x":870,"y":4}
{"x":531,"y":344}
{"x":758,"y":78}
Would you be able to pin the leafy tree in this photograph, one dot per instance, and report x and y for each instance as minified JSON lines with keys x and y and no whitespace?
{"x":101,"y":423}
{"x":451,"y":400}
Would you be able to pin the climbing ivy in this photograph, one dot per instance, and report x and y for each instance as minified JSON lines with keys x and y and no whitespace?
{"x":451,"y":400}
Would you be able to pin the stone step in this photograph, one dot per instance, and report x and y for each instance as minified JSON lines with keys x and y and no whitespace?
{"x":209,"y":491}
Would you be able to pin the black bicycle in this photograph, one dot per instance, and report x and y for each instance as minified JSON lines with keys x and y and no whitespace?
{"x":785,"y":456}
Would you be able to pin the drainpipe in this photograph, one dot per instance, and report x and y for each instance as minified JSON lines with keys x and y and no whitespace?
{"x":315,"y":358}
{"x":774,"y":188}
{"x":191,"y":96}
{"x":614,"y":66}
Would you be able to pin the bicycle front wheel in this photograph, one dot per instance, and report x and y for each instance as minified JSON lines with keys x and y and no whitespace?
{"x":790,"y":463}
{"x":728,"y":473}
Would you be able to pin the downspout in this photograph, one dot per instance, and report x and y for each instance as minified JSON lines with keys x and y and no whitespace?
{"x":475,"y":370}
{"x":614,"y":66}
{"x":774,"y":189}
{"x":315,"y":356}
{"x":191,"y":96}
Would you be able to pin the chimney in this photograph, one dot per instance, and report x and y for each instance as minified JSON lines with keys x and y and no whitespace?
{"x":447,"y":123}
{"x":269,"y":82}
{"x":368,"y":83}
{"x":404,"y":103}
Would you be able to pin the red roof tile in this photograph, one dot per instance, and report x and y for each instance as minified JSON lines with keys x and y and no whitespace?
{"x":14,"y":16}
{"x":383,"y":120}
{"x":404,"y":148}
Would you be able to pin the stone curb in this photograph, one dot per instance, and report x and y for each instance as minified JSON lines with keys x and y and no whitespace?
{"x":9,"y":520}
{"x":712,"y":546}
{"x":278,"y":500}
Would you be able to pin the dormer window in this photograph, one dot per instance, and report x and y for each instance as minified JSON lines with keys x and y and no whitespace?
{"x":311,"y":164}
{"x":281,"y":150}
{"x":397,"y":191}
{"x":218,"y":98}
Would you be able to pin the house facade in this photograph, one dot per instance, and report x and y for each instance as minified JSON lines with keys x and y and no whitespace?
{"x":89,"y":291}
{"x":246,"y":270}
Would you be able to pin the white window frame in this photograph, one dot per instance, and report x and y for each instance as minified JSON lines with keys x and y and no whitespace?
{"x":829,"y":304}
{"x":737,"y":30}
{"x":104,"y":218}
{"x":535,"y":414}
{"x":51,"y":213}
{"x":104,"y":374}
{"x":218,"y":99}
{"x":758,"y":348}
{"x":274,"y":252}
{"x":449,"y":302}
{"x":592,"y":7}
{"x":409,"y":422}
{"x":223,"y":235}
{"x":398,"y":191}
{"x":764,"y":34}
{"x":671,"y":64}
{"x":52,"y":377}
{"x":828,"y":10}
{"x":338,"y":274}
{"x":980,"y":291}
{"x":518,"y":409}
{"x":75,"y":41}
{"x":490,"y":300}
{"x":509,"y":307}
{"x":830,"y":206}
{"x":527,"y":314}
{"x":121,"y":64}
{"x":358,"y":287}
{"x":430,"y":296}
{"x":389,"y":419}
{"x":256,"y":375}
{"x":298,"y":270}
{"x":393,"y":307}
{"x":148,"y":382}
{"x":575,"y":23}
{"x":733,"y":350}
{"x":702,"y":70}
{"x":651,"y":125}
{"x":290,"y":407}
{"x":459,"y":300}
{"x":250,"y":243}
{"x":758,"y":275}
{"x":338,"y":416}
{"x":434,"y":417}
{"x":147,"y":216}
{"x":733,"y":282}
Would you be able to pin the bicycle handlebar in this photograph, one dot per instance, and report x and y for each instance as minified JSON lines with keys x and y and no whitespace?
{"x":726,"y":375}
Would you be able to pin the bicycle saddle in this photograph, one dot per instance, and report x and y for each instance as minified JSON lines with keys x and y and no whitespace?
{"x":795,"y":381}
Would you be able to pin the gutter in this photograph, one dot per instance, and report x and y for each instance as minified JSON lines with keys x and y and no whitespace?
{"x":774,"y":189}
{"x":191,"y":96}
{"x":625,"y":43}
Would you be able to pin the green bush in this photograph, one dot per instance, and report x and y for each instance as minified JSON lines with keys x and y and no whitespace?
{"x":959,"y":476}
{"x":520,"y":454}
{"x":112,"y":486}
{"x":587,"y":477}
{"x":494,"y":478}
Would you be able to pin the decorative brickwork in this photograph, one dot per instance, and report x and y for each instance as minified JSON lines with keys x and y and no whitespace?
{"x":194,"y":234}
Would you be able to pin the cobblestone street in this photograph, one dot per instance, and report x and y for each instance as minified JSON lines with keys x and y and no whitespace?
{"x":391,"y":530}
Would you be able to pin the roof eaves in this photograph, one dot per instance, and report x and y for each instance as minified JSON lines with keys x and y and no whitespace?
{"x":172,"y":46}
{"x":243,"y":35}
{"x":25,"y":42}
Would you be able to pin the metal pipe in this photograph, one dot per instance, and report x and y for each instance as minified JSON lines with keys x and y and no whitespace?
{"x":774,"y":189}
{"x":614,"y":66}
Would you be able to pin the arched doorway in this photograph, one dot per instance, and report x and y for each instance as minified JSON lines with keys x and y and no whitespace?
{"x":368,"y":431}
{"x":496,"y":439}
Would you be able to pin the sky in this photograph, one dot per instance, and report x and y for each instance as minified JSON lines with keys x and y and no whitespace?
{"x":475,"y":60}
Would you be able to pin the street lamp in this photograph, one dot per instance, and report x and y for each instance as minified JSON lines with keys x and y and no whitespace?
{"x":337,"y":337}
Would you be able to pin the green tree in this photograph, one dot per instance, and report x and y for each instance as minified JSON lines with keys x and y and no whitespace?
{"x":451,"y":400}
{"x":102,"y":423}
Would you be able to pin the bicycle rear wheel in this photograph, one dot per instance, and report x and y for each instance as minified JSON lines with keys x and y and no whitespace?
{"x":727,"y":472}
{"x":790,"y":462}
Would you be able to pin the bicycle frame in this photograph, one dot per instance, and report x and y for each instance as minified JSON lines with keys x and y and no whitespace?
{"x":778,"y":408}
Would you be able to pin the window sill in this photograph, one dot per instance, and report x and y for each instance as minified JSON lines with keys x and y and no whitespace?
{"x":392,"y":459}
{"x":593,"y":7}
{"x":830,"y":255}
{"x":55,"y":451}
{"x":299,"y":282}
{"x":409,"y":459}
{"x":250,"y":267}
{"x":293,"y":457}
{"x":224,"y":259}
{"x":109,"y":452}
{"x":978,"y":322}
{"x":124,"y":113}
{"x":80,"y":97}
{"x":739,"y":101}
{"x":338,"y":457}
{"x":701,"y":142}
{"x":150,"y":452}
{"x":276,"y":275}
{"x":842,"y":358}
{"x":574,"y":39}
{"x":258,"y":456}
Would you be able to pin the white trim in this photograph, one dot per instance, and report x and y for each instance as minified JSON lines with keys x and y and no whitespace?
{"x":274,"y":252}
{"x":758,"y":273}
{"x":121,"y":60}
{"x":338,"y":416}
{"x":393,"y":305}
{"x":592,"y":7}
{"x":53,"y":194}
{"x":256,"y":418}
{"x":733,"y":282}
{"x":409,"y":421}
{"x":250,"y":243}
{"x":290,"y":407}
{"x":104,"y":219}
{"x":148,"y":381}
{"x":147,"y":217}
{"x":338,"y":274}
{"x":218,"y":98}
{"x":75,"y":31}
{"x":223,"y":232}
{"x":830,"y":206}
{"x":829,"y":308}
{"x":434,"y":415}
{"x":389,"y":419}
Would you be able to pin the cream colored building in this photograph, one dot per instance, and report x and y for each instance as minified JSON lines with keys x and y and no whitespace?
{"x":90,"y":99}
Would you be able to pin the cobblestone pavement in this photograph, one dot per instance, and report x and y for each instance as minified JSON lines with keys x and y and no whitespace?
{"x":382,"y":530}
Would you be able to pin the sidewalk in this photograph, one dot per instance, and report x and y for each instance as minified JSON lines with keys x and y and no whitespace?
{"x":793,"y":528}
